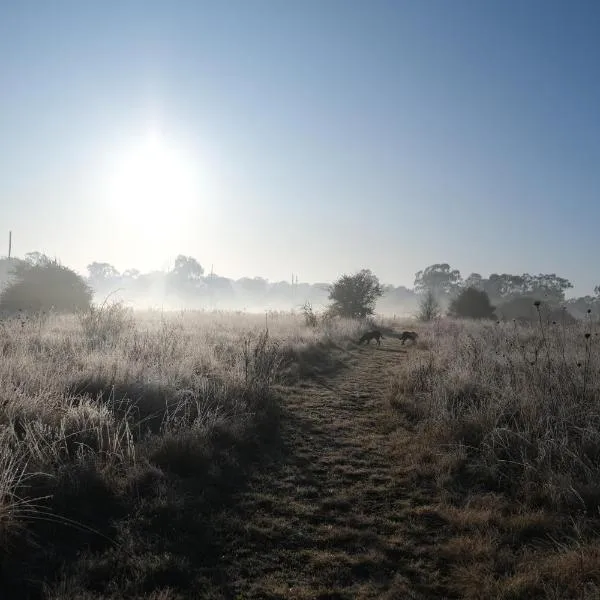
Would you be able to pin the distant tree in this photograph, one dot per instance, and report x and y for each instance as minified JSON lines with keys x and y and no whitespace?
{"x":504,"y":286}
{"x":187,"y":269}
{"x":597,"y":290}
{"x":398,"y":299}
{"x":45,"y":286}
{"x":131,"y":274}
{"x":439,"y":278}
{"x":429,"y":306}
{"x":279,"y":291}
{"x":529,"y":308}
{"x":253,"y":286}
{"x":548,"y":287}
{"x":473,"y":304}
{"x":101,"y":274}
{"x":474,"y":280}
{"x":354,"y":296}
{"x":186,"y":275}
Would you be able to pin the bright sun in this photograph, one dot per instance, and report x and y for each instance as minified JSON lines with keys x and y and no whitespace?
{"x":152,"y":184}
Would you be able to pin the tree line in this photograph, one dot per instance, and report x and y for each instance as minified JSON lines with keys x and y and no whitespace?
{"x":186,"y":284}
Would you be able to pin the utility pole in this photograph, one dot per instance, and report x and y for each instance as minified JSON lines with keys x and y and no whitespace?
{"x":9,"y":243}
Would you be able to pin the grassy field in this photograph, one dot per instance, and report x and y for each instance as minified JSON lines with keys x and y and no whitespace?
{"x":505,"y":423}
{"x":196,"y":455}
{"x":108,"y":422}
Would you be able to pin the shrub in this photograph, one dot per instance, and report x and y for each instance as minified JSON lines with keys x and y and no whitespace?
{"x":472,"y":303}
{"x":310,"y":318}
{"x":44,"y":287}
{"x":354,"y":296}
{"x":106,"y":322}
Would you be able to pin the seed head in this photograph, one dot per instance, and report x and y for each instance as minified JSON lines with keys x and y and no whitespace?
{"x":587,"y":335}
{"x":589,"y":310}
{"x":578,"y":364}
{"x":536,"y":303}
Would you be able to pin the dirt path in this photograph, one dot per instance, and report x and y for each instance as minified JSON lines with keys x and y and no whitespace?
{"x":331,"y":518}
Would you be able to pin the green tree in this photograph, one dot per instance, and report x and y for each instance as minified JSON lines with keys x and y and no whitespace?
{"x":354,"y":296}
{"x":473,"y":304}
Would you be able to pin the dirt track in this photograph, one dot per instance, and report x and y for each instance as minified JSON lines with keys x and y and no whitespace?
{"x":331,"y":516}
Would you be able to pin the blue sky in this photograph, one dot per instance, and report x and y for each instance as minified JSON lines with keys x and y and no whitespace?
{"x":313,"y":137}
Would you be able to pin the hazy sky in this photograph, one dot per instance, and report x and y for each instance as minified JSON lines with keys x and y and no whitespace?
{"x":271,"y":137}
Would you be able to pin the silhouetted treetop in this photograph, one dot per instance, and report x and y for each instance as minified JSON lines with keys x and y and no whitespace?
{"x":439,"y":278}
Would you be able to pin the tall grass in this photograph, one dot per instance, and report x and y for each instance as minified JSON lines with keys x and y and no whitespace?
{"x":97,"y":410}
{"x":520,"y":403}
{"x":506,"y":433}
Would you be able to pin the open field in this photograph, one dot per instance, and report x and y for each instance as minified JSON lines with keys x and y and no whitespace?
{"x":193,"y":456}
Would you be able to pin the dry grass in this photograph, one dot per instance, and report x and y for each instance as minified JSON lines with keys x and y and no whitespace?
{"x":110,"y":420}
{"x":506,"y":422}
{"x":130,"y":447}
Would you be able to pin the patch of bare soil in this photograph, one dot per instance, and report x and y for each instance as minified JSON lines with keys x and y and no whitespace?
{"x":335,"y":514}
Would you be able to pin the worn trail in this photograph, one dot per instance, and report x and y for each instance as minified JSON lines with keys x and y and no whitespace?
{"x":331,"y":517}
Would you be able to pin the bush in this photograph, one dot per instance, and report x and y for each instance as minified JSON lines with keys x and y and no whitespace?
{"x":354,"y":296}
{"x":310,"y":318}
{"x":106,"y":322}
{"x":472,"y":303}
{"x":44,"y":287}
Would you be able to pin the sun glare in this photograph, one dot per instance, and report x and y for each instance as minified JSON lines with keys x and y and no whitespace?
{"x":152,"y":184}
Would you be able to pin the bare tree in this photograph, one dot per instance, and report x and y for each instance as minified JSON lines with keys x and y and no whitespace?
{"x":429,"y":307}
